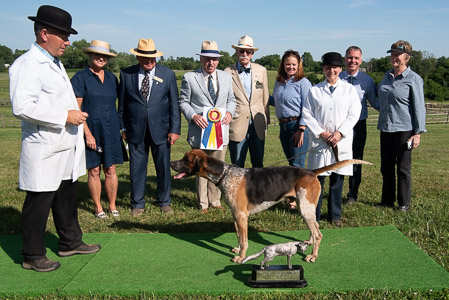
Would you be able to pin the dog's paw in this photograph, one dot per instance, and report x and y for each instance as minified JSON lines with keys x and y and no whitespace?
{"x":236,"y":250}
{"x":310,"y":258}
{"x":237,"y":259}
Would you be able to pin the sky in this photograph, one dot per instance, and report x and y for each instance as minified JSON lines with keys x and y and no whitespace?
{"x":178,"y":27}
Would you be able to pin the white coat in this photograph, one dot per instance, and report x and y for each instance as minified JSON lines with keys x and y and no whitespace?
{"x":326,"y":111}
{"x":41,"y":96}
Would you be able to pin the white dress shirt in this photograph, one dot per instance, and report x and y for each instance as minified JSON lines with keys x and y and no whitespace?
{"x":214,"y":80}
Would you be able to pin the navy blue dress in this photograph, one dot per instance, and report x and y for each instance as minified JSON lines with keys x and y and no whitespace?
{"x":99,"y":101}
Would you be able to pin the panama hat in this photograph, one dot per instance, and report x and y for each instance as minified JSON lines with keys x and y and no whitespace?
{"x":245,"y":42}
{"x":99,"y":47}
{"x":210,"y":48}
{"x":54,"y":17}
{"x":332,"y":59}
{"x":146,"y":48}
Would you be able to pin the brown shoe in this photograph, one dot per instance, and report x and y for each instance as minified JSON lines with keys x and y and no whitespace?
{"x":337,"y":223}
{"x":137,"y":212}
{"x":166,"y":209}
{"x":204,"y":211}
{"x":41,"y":265}
{"x":218,"y":207}
{"x":83,"y":249}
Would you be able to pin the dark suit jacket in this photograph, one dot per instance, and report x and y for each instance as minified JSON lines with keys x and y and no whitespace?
{"x":161,"y":113}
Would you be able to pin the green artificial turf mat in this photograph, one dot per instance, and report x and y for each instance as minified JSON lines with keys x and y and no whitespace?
{"x":131,"y":264}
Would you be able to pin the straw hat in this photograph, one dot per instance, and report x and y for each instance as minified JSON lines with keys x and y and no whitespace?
{"x":54,"y":17}
{"x":210,"y":48}
{"x":245,"y":42}
{"x":146,"y":48}
{"x":99,"y":47}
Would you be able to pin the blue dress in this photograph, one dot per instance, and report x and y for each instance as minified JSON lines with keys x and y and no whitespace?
{"x":99,"y":101}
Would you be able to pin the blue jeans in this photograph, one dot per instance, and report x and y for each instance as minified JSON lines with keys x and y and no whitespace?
{"x":287,"y":130}
{"x":334,"y":200}
{"x":238,"y":150}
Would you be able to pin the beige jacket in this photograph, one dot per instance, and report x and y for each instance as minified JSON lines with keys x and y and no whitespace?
{"x":256,"y":107}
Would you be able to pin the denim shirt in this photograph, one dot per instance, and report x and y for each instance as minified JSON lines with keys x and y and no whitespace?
{"x":289,"y":97}
{"x":402,"y":105}
{"x":366,"y":89}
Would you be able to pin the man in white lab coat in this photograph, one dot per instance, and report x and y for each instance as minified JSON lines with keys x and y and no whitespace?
{"x":331,"y":110}
{"x":52,"y":155}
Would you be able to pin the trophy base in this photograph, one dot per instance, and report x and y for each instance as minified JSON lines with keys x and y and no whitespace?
{"x":277,"y":276}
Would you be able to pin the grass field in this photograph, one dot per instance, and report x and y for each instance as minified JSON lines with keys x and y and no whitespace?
{"x":426,"y":224}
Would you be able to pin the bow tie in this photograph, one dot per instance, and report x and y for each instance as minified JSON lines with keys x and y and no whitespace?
{"x":243,"y":69}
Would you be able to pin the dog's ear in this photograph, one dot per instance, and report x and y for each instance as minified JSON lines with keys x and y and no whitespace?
{"x":301,"y":247}
{"x":214,"y":166}
{"x":198,"y":162}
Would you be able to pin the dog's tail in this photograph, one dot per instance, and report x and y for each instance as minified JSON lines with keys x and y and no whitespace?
{"x":254,"y":256}
{"x":339,"y":165}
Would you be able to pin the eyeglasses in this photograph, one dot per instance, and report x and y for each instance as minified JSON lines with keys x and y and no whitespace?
{"x":241,"y":51}
{"x":291,"y":52}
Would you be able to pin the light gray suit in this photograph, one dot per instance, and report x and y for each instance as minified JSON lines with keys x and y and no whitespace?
{"x":193,"y":98}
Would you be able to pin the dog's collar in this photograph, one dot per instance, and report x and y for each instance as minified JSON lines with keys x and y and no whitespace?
{"x":222,"y":177}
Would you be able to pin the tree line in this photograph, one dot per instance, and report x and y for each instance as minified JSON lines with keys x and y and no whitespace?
{"x":434,"y":71}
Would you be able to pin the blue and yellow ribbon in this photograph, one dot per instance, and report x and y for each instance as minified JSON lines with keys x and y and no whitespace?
{"x":212,"y":137}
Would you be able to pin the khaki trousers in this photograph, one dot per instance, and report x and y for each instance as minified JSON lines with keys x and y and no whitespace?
{"x":209,"y":194}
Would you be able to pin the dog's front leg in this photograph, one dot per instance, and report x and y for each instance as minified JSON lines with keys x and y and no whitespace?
{"x":236,"y":249}
{"x":289,"y":257}
{"x":241,"y":221}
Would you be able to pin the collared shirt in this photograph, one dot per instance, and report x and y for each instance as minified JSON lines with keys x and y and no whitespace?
{"x":47,"y":54}
{"x":214,"y":80}
{"x":402,"y":105}
{"x":246,"y":79}
{"x":289,"y":97}
{"x":150,"y":77}
{"x":366,"y":89}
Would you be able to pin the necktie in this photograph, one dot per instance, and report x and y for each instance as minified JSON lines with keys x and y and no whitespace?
{"x":351,"y":79}
{"x":332,"y":89}
{"x":210,"y":87}
{"x":56,"y":61}
{"x":145,"y":88}
{"x":243,"y":69}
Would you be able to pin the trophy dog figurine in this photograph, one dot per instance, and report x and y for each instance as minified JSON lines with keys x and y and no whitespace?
{"x":271,"y":251}
{"x":249,"y":191}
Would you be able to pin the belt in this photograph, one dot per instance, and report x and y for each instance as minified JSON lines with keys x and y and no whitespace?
{"x":286,"y":120}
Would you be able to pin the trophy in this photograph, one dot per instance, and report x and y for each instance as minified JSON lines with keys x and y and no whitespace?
{"x":265,"y":276}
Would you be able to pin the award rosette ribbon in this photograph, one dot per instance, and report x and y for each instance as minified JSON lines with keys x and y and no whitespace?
{"x":212,"y":135}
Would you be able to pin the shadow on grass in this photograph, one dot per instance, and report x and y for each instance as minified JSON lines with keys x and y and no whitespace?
{"x":124,"y":192}
{"x":206,"y":240}
{"x":237,"y":271}
{"x":12,"y":245}
{"x":10,"y":220}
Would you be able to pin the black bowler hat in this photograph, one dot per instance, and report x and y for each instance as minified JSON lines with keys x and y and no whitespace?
{"x":332,"y":59}
{"x":54,"y":17}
